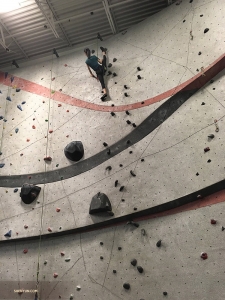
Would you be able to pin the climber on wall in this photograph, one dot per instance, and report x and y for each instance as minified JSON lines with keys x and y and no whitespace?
{"x":99,"y":66}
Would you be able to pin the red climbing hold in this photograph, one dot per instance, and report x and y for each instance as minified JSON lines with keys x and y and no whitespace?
{"x":60,"y":90}
{"x":213,"y":221}
{"x":62,"y":253}
{"x":25,"y":226}
{"x":17,"y":233}
{"x":55,"y":275}
{"x":33,"y":127}
{"x":21,"y":154}
{"x":25,"y":251}
{"x":204,"y":255}
{"x":58,"y":209}
{"x":59,"y":105}
{"x":206,"y":149}
{"x":43,"y":101}
{"x":49,"y":229}
{"x":67,"y":110}
{"x":48,"y":158}
{"x":51,"y":131}
{"x":65,"y":65}
{"x":53,"y":78}
{"x":28,"y":140}
{"x":67,"y":136}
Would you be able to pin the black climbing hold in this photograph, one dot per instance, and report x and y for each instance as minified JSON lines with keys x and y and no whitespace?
{"x":109,"y":73}
{"x":91,"y":13}
{"x":134,"y":125}
{"x":223,"y":228}
{"x":143,"y":232}
{"x":74,"y":151}
{"x":184,"y":21}
{"x":125,"y":86}
{"x":206,"y":30}
{"x":213,"y":88}
{"x":105,"y":144}
{"x":139,"y":77}
{"x":101,"y":243}
{"x":112,"y":105}
{"x":123,"y":200}
{"x":108,"y":152}
{"x":133,"y":262}
{"x":15,"y":190}
{"x":110,"y":213}
{"x":138,"y":68}
{"x":165,"y":293}
{"x":121,"y":188}
{"x":125,"y":94}
{"x":115,"y":82}
{"x":128,"y":142}
{"x":203,"y":103}
{"x":201,"y":15}
{"x":135,"y":208}
{"x":211,"y":136}
{"x":119,"y":248}
{"x":190,"y":1}
{"x":132,"y":173}
{"x":99,"y":37}
{"x":159,"y":243}
{"x":116,"y":183}
{"x":197,"y":70}
{"x":128,"y":122}
{"x":209,"y":160}
{"x":112,"y":113}
{"x":126,"y":286}
{"x":140,"y":269}
{"x":17,"y":90}
{"x":8,"y":234}
{"x":133,"y":223}
{"x":114,"y":59}
{"x":121,"y":165}
{"x":142,"y":159}
{"x":127,"y":112}
{"x":114,"y":271}
{"x":143,"y":102}
{"x":199,"y":53}
{"x":29,"y":193}
{"x":211,"y":81}
{"x":109,"y":65}
{"x":103,"y":97}
{"x":92,"y":51}
{"x":101,"y":257}
{"x":197,"y":174}
{"x":109,"y":168}
{"x":114,"y":74}
{"x":131,"y":152}
{"x":100,"y":203}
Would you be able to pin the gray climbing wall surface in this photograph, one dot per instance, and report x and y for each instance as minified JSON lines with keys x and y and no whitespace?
{"x":174,"y":160}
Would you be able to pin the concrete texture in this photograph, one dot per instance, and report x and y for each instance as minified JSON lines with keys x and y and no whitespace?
{"x":174,"y":153}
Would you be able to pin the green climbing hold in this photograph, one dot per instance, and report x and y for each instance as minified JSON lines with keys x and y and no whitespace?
{"x":61,"y":177}
{"x":67,"y":259}
{"x":57,"y":165}
{"x":46,"y":120}
{"x":52,"y":92}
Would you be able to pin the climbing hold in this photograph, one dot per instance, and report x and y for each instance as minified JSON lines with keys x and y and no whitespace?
{"x":16,"y":130}
{"x":125,"y":94}
{"x":114,"y":74}
{"x":112,"y":105}
{"x":206,"y":149}
{"x":57,"y":165}
{"x":60,"y":90}
{"x":203,"y":103}
{"x":138,"y":76}
{"x":45,"y":262}
{"x":57,"y":209}
{"x":24,"y":102}
{"x":206,"y":30}
{"x":190,"y":1}
{"x":143,"y":102}
{"x":101,"y":257}
{"x":15,"y":190}
{"x":128,"y":141}
{"x":100,"y":203}
{"x":1,"y":117}
{"x":2,"y":165}
{"x":55,"y":275}
{"x":199,"y":53}
{"x":132,"y":173}
{"x":93,"y":51}
{"x":78,"y":288}
{"x":131,"y":152}
{"x":201,"y":15}
{"x":211,"y":136}
{"x":140,"y":269}
{"x":29,"y":193}
{"x":12,"y":78}
{"x":138,"y":68}
{"x":28,"y":140}
{"x":25,"y":226}
{"x":184,"y":21}
{"x":114,"y":271}
{"x":213,"y":221}
{"x":109,"y":65}
{"x":74,"y":151}
{"x":133,"y":262}
{"x":109,"y":168}
{"x":114,"y":59}
{"x":128,"y":122}
{"x":134,"y":125}
{"x":223,"y":228}
{"x":19,"y":107}
{"x":112,"y":113}
{"x":121,"y":188}
{"x":53,"y":78}
{"x":105,"y":144}
{"x":108,"y":152}
{"x":197,"y":174}
{"x":8,"y":98}
{"x":33,"y":127}
{"x":209,"y":160}
{"x":62,"y":253}
{"x":211,"y":81}
{"x":127,"y":112}
{"x":204,"y":255}
{"x":109,"y":73}
{"x":115,"y":82}
{"x":17,"y":90}
{"x":25,"y":251}
{"x":165,"y":293}
{"x":121,"y":165}
{"x":143,"y":232}
{"x":59,"y":105}
{"x":8,"y":234}
{"x":50,"y":131}
{"x":126,"y":286}
{"x":67,"y":259}
{"x":49,"y":229}
{"x":48,"y":158}
{"x":101,"y":243}
{"x":119,"y":248}
{"x":125,"y":86}
{"x":159,"y":243}
{"x":133,"y":223}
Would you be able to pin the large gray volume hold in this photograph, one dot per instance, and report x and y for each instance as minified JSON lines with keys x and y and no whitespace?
{"x":74,"y":151}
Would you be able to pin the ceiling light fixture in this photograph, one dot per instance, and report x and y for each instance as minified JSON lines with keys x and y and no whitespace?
{"x":9,"y":5}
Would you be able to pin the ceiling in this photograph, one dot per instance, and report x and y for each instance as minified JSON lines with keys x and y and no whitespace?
{"x":39,"y":26}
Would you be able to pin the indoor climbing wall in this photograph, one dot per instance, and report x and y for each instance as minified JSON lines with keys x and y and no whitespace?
{"x":148,"y":148}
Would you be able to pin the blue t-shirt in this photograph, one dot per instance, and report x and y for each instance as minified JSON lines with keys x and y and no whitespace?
{"x":93,"y":62}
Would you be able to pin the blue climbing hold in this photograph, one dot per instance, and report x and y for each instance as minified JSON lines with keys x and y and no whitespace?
{"x":19,"y":106}
{"x":1,"y":117}
{"x":17,"y":90}
{"x":15,"y":190}
{"x":23,"y":102}
{"x":6,"y":74}
{"x":12,"y":78}
{"x":8,"y":234}
{"x":2,"y":165}
{"x":16,"y":130}
{"x":8,"y":98}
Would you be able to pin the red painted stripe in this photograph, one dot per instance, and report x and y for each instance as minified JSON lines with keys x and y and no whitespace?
{"x":195,"y":82}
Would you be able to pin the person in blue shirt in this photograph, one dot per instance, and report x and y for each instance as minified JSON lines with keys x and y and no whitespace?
{"x":99,"y":66}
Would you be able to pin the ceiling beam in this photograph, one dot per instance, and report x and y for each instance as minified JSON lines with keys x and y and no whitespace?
{"x":109,"y":16}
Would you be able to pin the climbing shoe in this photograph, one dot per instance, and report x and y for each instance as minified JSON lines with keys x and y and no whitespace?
{"x":103,"y":49}
{"x":103,"y":98}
